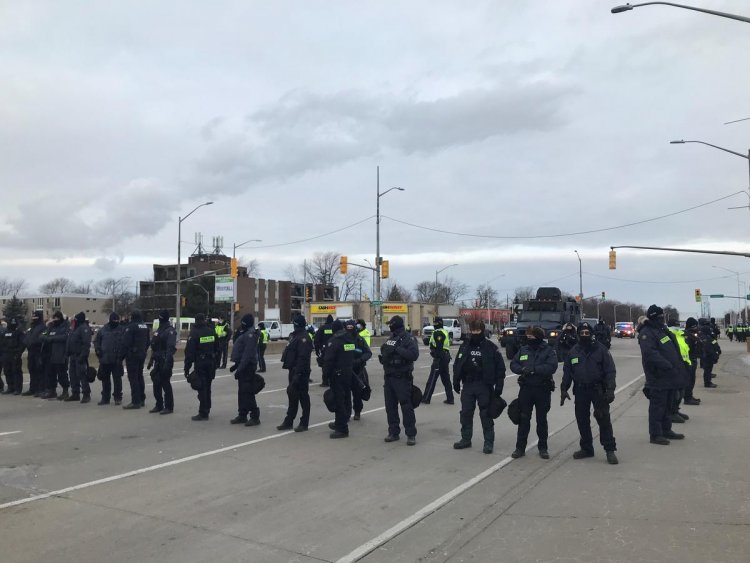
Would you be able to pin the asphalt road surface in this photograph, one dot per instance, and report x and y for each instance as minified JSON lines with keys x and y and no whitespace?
{"x":98,"y":483}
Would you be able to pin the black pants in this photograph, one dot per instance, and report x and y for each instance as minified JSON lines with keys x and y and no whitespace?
{"x":246,"y":403}
{"x":205,"y":370}
{"x":679,"y":394}
{"x":398,"y":393}
{"x":691,"y":378}
{"x":223,"y":354}
{"x":357,"y":402}
{"x":537,"y":398}
{"x":477,"y":394}
{"x":261,"y":357}
{"x":440,"y":368}
{"x":341,"y":384}
{"x":110,"y":373}
{"x":79,"y":381}
{"x":135,"y":378}
{"x":37,"y":381}
{"x":13,"y":373}
{"x":587,"y":397}
{"x":660,"y":411}
{"x":162,"y":381}
{"x":707,"y":367}
{"x":57,"y":374}
{"x":299,"y":396}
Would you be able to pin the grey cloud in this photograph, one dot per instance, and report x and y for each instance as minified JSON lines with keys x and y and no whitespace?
{"x":108,"y":264}
{"x":304,"y":132}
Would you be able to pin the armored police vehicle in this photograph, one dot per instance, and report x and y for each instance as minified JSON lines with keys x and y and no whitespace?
{"x":550,"y":311}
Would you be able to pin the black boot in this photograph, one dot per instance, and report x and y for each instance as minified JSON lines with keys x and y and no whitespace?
{"x":582,"y":454}
{"x":612,"y":458}
{"x":239,"y":419}
{"x":285,"y":426}
{"x":72,"y":397}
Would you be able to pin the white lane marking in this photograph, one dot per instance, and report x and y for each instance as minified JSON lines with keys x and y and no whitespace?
{"x":9,"y":433}
{"x":158,"y":466}
{"x":437,"y":504}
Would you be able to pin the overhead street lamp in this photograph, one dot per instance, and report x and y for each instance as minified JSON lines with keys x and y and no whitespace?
{"x":628,"y":7}
{"x":580,"y":280}
{"x":234,"y":281}
{"x":436,"y":283}
{"x":739,"y":305}
{"x":378,"y":258}
{"x":178,"y":305}
{"x":208,"y":297}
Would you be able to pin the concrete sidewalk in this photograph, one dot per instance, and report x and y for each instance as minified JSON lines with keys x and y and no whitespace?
{"x":689,"y":501}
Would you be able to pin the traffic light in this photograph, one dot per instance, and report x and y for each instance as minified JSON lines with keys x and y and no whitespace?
{"x":384,"y":269}
{"x":183,"y":301}
{"x":612,"y":260}
{"x":604,"y":296}
{"x":697,"y":295}
{"x":233,"y":267}
{"x":307,"y":294}
{"x":343,"y":265}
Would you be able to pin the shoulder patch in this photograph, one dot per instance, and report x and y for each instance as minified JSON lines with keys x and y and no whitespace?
{"x":573,"y":361}
{"x":524,"y":357}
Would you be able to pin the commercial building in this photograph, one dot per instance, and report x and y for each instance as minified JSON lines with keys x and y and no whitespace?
{"x":96,"y":307}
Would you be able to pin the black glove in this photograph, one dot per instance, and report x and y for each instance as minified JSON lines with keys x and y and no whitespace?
{"x":564,"y":395}
{"x":233,"y":368}
{"x":457,"y":386}
{"x":498,"y":392}
{"x":150,"y":363}
{"x":609,"y":394}
{"x":187,"y":372}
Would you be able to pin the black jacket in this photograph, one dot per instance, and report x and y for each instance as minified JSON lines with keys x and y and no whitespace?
{"x":589,"y":365}
{"x":136,"y":340}
{"x":296,"y":355}
{"x":108,"y":343}
{"x":694,"y":342}
{"x":399,"y":353}
{"x":340,"y":353}
{"x":32,"y":340}
{"x":541,"y":363}
{"x":660,"y":356}
{"x":245,"y":351}
{"x":13,"y":343}
{"x":164,"y":342}
{"x":711,"y":349}
{"x":79,"y":342}
{"x":324,"y":334}
{"x":202,"y":347}
{"x":57,"y":340}
{"x":484,"y":356}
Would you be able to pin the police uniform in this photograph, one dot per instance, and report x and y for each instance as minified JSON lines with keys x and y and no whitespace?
{"x":535,"y":362}
{"x":200,"y":351}
{"x":338,"y":365}
{"x":679,"y":335}
{"x":54,"y":346}
{"x":108,"y":348}
{"x":660,"y":356}
{"x":479,"y":366}
{"x":397,"y":355}
{"x":79,"y":347}
{"x":33,"y":344}
{"x":324,"y":334}
{"x":244,"y":366}
{"x":135,"y":343}
{"x":13,"y":347}
{"x":263,"y":338}
{"x":163,"y":348}
{"x":711,"y":352}
{"x":440,"y":345}
{"x":362,"y":354}
{"x":695,"y":345}
{"x":589,"y":368}
{"x":224,"y":334}
{"x":602,"y":333}
{"x":296,"y":359}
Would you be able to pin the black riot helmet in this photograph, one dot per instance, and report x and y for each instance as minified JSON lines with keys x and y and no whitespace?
{"x":438,"y":322}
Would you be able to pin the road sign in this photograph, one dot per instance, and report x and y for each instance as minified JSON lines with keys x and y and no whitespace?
{"x":747,"y":296}
{"x":716,"y":295}
{"x":376,"y":302}
{"x":224,"y":289}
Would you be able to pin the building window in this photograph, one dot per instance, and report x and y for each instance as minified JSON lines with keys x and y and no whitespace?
{"x":57,"y":302}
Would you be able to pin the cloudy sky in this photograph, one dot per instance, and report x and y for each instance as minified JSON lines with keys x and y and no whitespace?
{"x":503,"y":119}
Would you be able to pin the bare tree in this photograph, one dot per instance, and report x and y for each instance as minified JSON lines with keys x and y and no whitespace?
{"x":323,"y":267}
{"x":523,"y":294}
{"x":252,"y":266}
{"x":351,"y":282}
{"x":11,"y":287}
{"x":395,"y":292}
{"x":485,"y":293}
{"x":449,"y":290}
{"x":84,"y":287}
{"x":57,"y":285}
{"x":424,"y":291}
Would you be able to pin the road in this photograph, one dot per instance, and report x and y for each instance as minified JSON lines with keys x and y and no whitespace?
{"x":90,"y":483}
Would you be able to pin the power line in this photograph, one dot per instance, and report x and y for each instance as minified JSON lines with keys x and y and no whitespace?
{"x":316,"y":236}
{"x":659,"y":282}
{"x":560,"y":235}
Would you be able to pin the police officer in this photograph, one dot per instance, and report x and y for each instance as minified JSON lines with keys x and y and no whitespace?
{"x":711,"y":352}
{"x":108,"y":348}
{"x":163,"y":348}
{"x":263,"y":338}
{"x":338,"y":366}
{"x":135,"y":343}
{"x":200,"y":351}
{"x":660,"y":356}
{"x":674,"y":327}
{"x":602,"y":334}
{"x":730,"y":332}
{"x":244,"y":366}
{"x":55,"y":345}
{"x":535,"y":363}
{"x":32,"y":341}
{"x":13,"y":348}
{"x":324,"y":334}
{"x":79,"y":347}
{"x":480,"y":367}
{"x":590,"y":369}
{"x":440,"y":345}
{"x":693,"y":339}
{"x":397,"y":355}
{"x":360,"y":379}
{"x":296,"y":359}
{"x":568,"y":339}
{"x":224,"y":334}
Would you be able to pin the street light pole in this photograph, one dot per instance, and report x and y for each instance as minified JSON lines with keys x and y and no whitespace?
{"x":580,"y":280}
{"x":745,"y":156}
{"x":234,"y":281}
{"x":436,"y":285}
{"x":378,"y":259}
{"x":178,"y":305}
{"x":628,"y":7}
{"x":739,"y":305}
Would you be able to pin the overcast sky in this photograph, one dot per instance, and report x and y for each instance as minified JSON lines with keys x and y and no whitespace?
{"x":500,"y":118}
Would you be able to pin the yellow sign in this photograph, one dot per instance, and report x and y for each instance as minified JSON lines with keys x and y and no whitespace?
{"x":394,"y":308}
{"x":323,"y":309}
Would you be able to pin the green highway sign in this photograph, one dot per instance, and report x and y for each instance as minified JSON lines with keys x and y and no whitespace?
{"x":376,"y":302}
{"x":747,"y":297}
{"x":716,"y":295}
